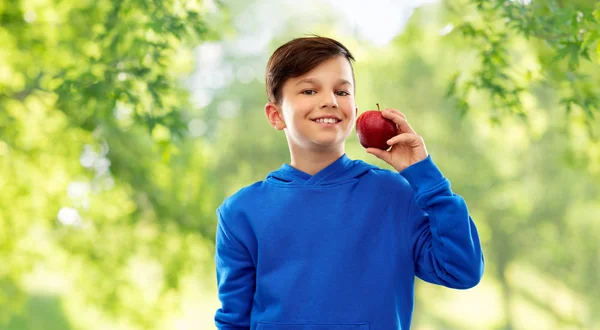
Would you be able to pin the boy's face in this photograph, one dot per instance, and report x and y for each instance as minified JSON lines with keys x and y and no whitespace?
{"x":317,"y":109}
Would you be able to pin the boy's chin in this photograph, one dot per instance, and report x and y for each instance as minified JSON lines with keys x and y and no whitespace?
{"x":325,"y":145}
{"x":321,"y":144}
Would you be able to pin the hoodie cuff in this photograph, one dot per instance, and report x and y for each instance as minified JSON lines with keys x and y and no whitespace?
{"x":423,"y":175}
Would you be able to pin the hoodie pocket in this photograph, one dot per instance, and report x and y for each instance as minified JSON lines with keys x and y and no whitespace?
{"x":298,"y":326}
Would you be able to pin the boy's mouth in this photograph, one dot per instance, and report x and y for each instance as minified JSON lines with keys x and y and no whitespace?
{"x":327,"y":120}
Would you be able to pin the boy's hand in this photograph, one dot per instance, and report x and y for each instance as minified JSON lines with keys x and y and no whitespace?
{"x":407,"y":147}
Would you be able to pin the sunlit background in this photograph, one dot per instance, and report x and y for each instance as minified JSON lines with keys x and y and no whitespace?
{"x":123,"y":126}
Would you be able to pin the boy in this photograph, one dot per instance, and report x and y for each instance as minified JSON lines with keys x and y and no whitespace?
{"x":327,"y":242}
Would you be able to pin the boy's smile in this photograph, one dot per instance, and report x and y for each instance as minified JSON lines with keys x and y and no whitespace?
{"x":327,"y":121}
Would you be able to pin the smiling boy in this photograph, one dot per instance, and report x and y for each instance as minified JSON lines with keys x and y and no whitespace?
{"x":327,"y":242}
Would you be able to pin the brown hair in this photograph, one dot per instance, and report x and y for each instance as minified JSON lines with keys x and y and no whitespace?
{"x":297,"y":57}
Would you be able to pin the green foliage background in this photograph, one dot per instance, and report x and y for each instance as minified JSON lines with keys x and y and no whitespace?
{"x":124,"y":124}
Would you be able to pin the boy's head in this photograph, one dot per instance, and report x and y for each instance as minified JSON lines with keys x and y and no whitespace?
{"x":310,"y":86}
{"x":298,"y":57}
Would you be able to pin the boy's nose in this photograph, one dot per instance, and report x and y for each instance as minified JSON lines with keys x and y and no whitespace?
{"x":329,"y":101}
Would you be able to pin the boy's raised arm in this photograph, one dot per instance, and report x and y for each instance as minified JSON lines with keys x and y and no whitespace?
{"x":444,"y":241}
{"x":235,"y":280}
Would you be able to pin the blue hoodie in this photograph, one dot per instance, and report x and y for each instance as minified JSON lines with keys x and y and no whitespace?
{"x":340,"y":249}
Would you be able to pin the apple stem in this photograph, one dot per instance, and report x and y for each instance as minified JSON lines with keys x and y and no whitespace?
{"x":378,"y":107}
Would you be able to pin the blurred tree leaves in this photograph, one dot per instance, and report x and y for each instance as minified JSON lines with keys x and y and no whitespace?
{"x":94,"y":54}
{"x":565,"y":36}
{"x":92,"y":107}
{"x":49,"y":309}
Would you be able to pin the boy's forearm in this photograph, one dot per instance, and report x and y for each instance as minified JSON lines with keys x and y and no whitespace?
{"x":445,"y":239}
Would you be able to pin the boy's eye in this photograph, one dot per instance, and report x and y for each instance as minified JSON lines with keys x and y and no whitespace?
{"x":342,"y":93}
{"x":309,"y":92}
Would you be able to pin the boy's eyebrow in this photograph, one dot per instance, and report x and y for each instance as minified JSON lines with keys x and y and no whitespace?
{"x":316,"y":81}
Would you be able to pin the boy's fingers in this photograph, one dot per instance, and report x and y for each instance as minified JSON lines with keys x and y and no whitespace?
{"x":395,"y":111}
{"x":399,"y":119}
{"x":405,"y":138}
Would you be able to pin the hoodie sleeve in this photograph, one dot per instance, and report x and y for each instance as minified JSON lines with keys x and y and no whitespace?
{"x":235,"y":279}
{"x":444,"y":241}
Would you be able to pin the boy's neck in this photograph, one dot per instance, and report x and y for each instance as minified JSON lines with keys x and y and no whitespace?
{"x":311,"y":162}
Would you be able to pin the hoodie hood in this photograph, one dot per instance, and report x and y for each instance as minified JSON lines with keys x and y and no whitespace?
{"x":342,"y":170}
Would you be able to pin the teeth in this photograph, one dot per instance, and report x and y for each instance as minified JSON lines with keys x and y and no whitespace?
{"x":327,"y":120}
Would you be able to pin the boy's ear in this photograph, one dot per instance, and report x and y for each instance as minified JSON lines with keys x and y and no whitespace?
{"x":273,"y":113}
{"x":356,"y":112}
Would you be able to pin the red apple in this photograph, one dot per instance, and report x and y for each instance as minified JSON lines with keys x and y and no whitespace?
{"x":374,"y":130}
